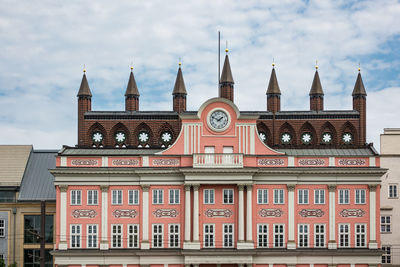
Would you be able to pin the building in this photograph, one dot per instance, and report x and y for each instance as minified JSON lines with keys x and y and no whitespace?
{"x":24,"y":182}
{"x":219,"y":186}
{"x":390,"y":204}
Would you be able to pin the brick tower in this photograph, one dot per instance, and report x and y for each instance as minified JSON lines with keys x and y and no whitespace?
{"x":360,"y":104}
{"x":226,"y":81}
{"x":84,"y":105}
{"x":179,"y":93}
{"x":132,"y":94}
{"x":316,"y":93}
{"x":273,"y":93}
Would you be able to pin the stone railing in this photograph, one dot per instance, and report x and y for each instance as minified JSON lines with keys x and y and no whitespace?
{"x":218,"y":160}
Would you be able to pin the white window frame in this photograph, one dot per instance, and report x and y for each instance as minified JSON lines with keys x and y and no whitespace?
{"x":133,"y":197}
{"x":303,"y":237}
{"x":157,"y":235}
{"x":76,"y":197}
{"x":75,"y":237}
{"x":133,"y":235}
{"x":158,"y":196}
{"x":262,"y":196}
{"x":92,"y":235}
{"x":92,"y":197}
{"x":360,"y":234}
{"x":358,"y":196}
{"x":303,"y":196}
{"x":230,"y":193}
{"x":2,"y":227}
{"x":319,"y":235}
{"x":279,"y":196}
{"x":117,"y":235}
{"x":262,"y":235}
{"x":118,"y":198}
{"x":393,"y":191}
{"x":387,"y":257}
{"x":385,"y":223}
{"x":205,"y":244}
{"x":342,"y":196}
{"x":228,"y":235}
{"x":174,"y":236}
{"x":345,"y":235}
{"x":319,"y":196}
{"x":280,"y":234}
{"x":209,"y":192}
{"x":174,"y":196}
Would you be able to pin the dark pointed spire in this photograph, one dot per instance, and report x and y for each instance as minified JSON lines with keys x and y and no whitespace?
{"x":359,"y":89}
{"x":226,"y":76}
{"x":273,"y":86}
{"x":316,"y":88}
{"x":84,"y":90}
{"x":131,"y":89}
{"x":179,"y":87}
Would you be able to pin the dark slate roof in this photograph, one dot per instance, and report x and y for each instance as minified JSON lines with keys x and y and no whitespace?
{"x":179,"y":87}
{"x":316,"y":88}
{"x":37,"y":183}
{"x":84,"y":90}
{"x":132,"y":89}
{"x":107,"y":152}
{"x":226,"y":76}
{"x":359,"y":88}
{"x":330,"y":152}
{"x":131,"y":115}
{"x":273,"y":86}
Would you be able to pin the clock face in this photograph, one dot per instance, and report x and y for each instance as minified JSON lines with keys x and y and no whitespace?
{"x":218,"y":120}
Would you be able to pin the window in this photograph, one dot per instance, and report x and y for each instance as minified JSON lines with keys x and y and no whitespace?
{"x":209,"y":149}
{"x":279,"y":235}
{"x":227,"y":150}
{"x":157,"y":235}
{"x":116,"y":197}
{"x":116,"y":235}
{"x":393,"y":192}
{"x":7,"y":196}
{"x":158,"y":196}
{"x":385,"y":224}
{"x":360,"y":235}
{"x":32,"y":258}
{"x":303,"y":196}
{"x":344,"y":234}
{"x":262,"y":196}
{"x":278,"y":196}
{"x":262,"y":233}
{"x":92,"y":235}
{"x":303,"y":235}
{"x":208,"y":196}
{"x":228,"y":196}
{"x":76,"y":233}
{"x":174,"y":196}
{"x":344,"y":196}
{"x":92,"y":198}
{"x":319,"y":196}
{"x":173,"y":236}
{"x":133,"y":197}
{"x":209,"y":235}
{"x":2,"y":228}
{"x":32,"y":225}
{"x":133,"y":235}
{"x":228,"y":235}
{"x":76,"y":197}
{"x":319,"y":235}
{"x":387,"y":254}
{"x":360,"y":196}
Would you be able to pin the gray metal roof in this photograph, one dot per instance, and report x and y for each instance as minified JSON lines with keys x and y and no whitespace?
{"x":107,"y":152}
{"x":37,"y":183}
{"x":329,"y":152}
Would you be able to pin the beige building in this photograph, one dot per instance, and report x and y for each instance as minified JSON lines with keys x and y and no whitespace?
{"x":390,"y":202}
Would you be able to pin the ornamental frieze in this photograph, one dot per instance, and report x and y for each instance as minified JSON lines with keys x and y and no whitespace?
{"x":218,"y":213}
{"x":124,"y":213}
{"x":270,"y":212}
{"x":352,"y":162}
{"x":165,"y":213}
{"x":271,"y":162}
{"x":311,"y":213}
{"x":84,"y":213}
{"x":125,"y":162}
{"x":84,"y":162}
{"x":166,"y":162}
{"x":352,"y":213}
{"x":311,"y":162}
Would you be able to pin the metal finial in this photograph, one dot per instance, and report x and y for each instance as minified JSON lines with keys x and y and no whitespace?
{"x":273,"y":63}
{"x":84,"y":68}
{"x":180,"y":62}
{"x":316,"y":64}
{"x":131,"y":65}
{"x":226,"y":48}
{"x":359,"y":66}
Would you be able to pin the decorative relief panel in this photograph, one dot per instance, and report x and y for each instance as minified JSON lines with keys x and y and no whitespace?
{"x":165,"y":162}
{"x":271,"y":162}
{"x":311,"y":162}
{"x":85,"y":162}
{"x":352,"y":213}
{"x":124,"y":162}
{"x":124,"y":213}
{"x":218,"y":213}
{"x":347,"y":162}
{"x":165,"y":213}
{"x":270,"y":212}
{"x":84,"y":213}
{"x":311,"y":213}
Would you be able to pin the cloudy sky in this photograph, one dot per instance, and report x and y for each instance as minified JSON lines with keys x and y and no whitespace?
{"x":44,"y":45}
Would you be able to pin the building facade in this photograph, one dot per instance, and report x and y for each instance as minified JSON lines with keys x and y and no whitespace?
{"x":390,"y":203}
{"x":219,"y":186}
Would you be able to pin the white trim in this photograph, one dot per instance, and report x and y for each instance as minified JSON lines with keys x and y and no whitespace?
{"x":332,"y":219}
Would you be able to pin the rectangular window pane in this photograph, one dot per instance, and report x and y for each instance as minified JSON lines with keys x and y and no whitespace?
{"x":228,"y":235}
{"x":174,"y":236}
{"x":279,"y":235}
{"x":262,"y":233}
{"x":344,"y":235}
{"x":208,"y":236}
{"x":32,"y":225}
{"x":174,"y":196}
{"x":319,"y":235}
{"x":228,"y":196}
{"x":133,"y":235}
{"x":116,"y":235}
{"x":92,"y":235}
{"x":157,"y":235}
{"x":208,"y":196}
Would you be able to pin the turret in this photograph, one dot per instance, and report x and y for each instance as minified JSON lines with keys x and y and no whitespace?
{"x":179,"y":93}
{"x":273,"y":93}
{"x":316,"y":93}
{"x":84,"y":105}
{"x":360,"y":104}
{"x":132,"y":94}
{"x":226,"y":80}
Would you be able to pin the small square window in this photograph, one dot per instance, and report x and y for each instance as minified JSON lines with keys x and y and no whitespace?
{"x":228,"y":196}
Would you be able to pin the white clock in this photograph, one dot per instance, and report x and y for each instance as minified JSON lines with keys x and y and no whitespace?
{"x":218,"y":120}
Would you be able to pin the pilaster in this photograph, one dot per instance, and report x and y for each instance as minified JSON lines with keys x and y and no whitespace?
{"x":291,"y":244}
{"x":104,"y":217}
{"x":332,"y":244}
{"x":145,"y":219}
{"x":63,"y":217}
{"x":372,"y":217}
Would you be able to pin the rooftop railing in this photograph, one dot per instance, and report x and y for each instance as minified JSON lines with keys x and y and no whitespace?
{"x":224,"y":160}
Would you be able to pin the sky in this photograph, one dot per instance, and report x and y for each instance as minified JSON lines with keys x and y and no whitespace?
{"x":44,"y":46}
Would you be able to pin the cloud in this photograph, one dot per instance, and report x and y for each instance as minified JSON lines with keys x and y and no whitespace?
{"x":43,"y":53}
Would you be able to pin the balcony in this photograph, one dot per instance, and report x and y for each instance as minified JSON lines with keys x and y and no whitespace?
{"x":218,"y":160}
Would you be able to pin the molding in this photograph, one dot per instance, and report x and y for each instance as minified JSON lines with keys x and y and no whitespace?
{"x":331,"y":187}
{"x":372,"y":187}
{"x":145,"y":187}
{"x":196,"y":187}
{"x":104,"y":188}
{"x":187,"y":187}
{"x":63,"y":188}
{"x":291,"y":187}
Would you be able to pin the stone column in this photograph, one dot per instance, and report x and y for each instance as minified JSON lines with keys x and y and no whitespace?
{"x":372,"y":217}
{"x":249,"y":217}
{"x":196,"y":214}
{"x":187,"y":213}
{"x":104,"y":217}
{"x":332,"y":244}
{"x":63,"y":217}
{"x":291,"y":244}
{"x":145,"y":219}
{"x":241,"y":214}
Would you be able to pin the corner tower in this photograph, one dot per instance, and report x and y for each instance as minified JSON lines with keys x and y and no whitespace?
{"x":360,"y":104}
{"x":84,"y":105}
{"x":179,"y":93}
{"x":273,"y":93}
{"x":316,"y":93}
{"x":226,"y":80}
{"x":132,"y":94}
